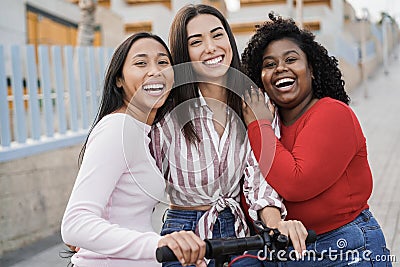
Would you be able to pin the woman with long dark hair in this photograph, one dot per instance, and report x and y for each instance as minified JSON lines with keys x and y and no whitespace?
{"x":108,"y":215}
{"x":200,"y":141}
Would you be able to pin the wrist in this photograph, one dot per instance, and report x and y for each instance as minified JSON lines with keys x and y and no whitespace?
{"x":259,"y":123}
{"x":271,"y":216}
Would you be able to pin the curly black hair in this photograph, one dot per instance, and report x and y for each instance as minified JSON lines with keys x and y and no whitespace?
{"x":327,"y":80}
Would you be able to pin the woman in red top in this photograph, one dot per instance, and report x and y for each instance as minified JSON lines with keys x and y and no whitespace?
{"x":320,"y":164}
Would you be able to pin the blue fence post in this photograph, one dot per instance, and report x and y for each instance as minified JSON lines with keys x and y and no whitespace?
{"x":83,"y":86}
{"x":102,"y":68}
{"x":92,"y":82}
{"x":110,"y":52}
{"x":4,"y":112}
{"x":59,"y":78}
{"x":46,"y":89}
{"x":16,"y":83}
{"x":68,"y":56}
{"x":41,"y":100}
{"x":102,"y":65}
{"x":32,"y":85}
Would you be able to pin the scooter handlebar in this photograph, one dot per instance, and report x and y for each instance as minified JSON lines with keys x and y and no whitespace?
{"x":226,"y":246}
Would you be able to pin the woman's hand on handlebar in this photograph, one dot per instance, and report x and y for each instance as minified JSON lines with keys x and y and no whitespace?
{"x":296,"y":232}
{"x":293,"y":229}
{"x":72,"y":248}
{"x":187,"y":247}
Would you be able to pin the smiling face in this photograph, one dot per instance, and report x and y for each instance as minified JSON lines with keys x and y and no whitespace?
{"x":286,"y":74}
{"x":147,"y":76}
{"x":209,"y":46}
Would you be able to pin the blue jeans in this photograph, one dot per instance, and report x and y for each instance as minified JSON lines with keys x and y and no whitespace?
{"x":177,"y":220}
{"x":358,"y":243}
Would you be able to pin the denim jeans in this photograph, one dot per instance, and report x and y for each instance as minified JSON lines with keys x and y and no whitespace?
{"x":177,"y":220}
{"x":358,"y":243}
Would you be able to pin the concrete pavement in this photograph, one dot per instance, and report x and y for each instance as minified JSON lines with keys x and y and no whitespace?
{"x":377,"y":104}
{"x":379,"y":114}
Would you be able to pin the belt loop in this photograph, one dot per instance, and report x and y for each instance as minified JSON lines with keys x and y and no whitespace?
{"x":199,"y":213}
{"x":163,"y":217}
{"x":366,"y":214}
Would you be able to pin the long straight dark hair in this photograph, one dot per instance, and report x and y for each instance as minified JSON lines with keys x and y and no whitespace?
{"x":112,"y":97}
{"x":187,"y":89}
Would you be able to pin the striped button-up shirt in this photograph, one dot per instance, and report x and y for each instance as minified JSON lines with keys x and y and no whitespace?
{"x":209,"y":172}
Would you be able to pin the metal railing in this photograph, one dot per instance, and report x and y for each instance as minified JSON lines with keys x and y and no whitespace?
{"x":48,"y":99}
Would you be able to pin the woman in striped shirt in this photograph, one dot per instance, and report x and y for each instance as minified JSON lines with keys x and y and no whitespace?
{"x":199,"y":141}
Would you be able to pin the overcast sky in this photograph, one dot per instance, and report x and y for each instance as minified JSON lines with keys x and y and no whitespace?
{"x":375,"y":7}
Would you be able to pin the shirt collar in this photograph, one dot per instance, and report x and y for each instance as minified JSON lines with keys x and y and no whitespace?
{"x":202,"y":101}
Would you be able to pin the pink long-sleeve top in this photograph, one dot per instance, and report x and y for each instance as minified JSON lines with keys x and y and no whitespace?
{"x":109,"y":212}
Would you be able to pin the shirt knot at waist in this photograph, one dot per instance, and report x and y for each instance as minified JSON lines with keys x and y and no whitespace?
{"x":224,"y":202}
{"x":206,"y":223}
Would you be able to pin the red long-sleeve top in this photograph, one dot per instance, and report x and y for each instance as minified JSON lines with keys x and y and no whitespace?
{"x":320,"y":165}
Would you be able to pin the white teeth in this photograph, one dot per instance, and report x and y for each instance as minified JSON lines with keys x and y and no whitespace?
{"x":284,"y":80}
{"x":158,"y":86}
{"x":213,"y":61}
